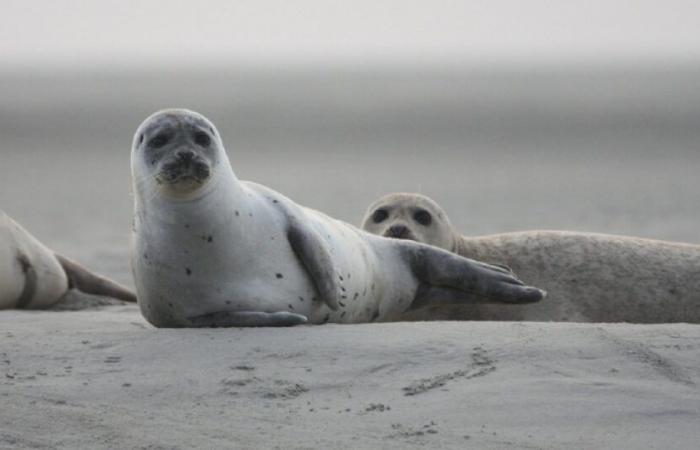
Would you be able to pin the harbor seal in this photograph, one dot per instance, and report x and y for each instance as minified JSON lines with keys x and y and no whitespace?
{"x":209,"y":250}
{"x":589,"y":277}
{"x":34,"y":277}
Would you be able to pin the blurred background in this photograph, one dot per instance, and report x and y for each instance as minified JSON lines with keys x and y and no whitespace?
{"x":579,"y":115}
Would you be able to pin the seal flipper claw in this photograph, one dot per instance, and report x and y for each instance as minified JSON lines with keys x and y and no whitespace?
{"x":314,"y":254}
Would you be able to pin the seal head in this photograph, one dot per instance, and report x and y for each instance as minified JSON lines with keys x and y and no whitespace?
{"x":410,"y":216}
{"x":177,"y":152}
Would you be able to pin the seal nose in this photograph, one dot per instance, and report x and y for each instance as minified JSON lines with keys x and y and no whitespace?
{"x":398,"y":231}
{"x":185,"y":156}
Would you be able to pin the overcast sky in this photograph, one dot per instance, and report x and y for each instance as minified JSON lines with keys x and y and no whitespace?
{"x":130,"y":32}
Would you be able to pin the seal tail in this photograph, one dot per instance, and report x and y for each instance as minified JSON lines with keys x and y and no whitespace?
{"x":85,"y":281}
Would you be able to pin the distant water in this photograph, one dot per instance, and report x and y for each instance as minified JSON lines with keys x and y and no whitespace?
{"x":614,"y":151}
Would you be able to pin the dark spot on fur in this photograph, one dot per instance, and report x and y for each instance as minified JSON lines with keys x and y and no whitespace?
{"x":250,"y":214}
{"x":279,"y":275}
{"x":188,"y":271}
{"x":301,"y":299}
{"x":327,"y":318}
{"x":210,"y":238}
{"x":373,"y":286}
{"x":170,"y":304}
{"x":375,"y":316}
{"x":342,"y":305}
{"x":357,"y":294}
{"x":228,"y":302}
{"x":187,"y":226}
{"x":672,"y":291}
{"x":348,"y":275}
{"x":340,"y":277}
{"x":141,"y":138}
{"x":145,"y":256}
{"x":342,"y":314}
{"x":237,"y":213}
{"x":290,"y":306}
{"x":364,"y":292}
{"x":343,"y":296}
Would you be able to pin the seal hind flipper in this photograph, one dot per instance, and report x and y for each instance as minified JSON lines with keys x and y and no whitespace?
{"x":449,"y":278}
{"x":83,"y":280}
{"x":314,"y":254}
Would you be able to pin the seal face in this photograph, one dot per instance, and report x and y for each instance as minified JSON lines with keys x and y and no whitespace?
{"x":410,"y":216}
{"x":180,"y":152}
{"x":210,"y":250}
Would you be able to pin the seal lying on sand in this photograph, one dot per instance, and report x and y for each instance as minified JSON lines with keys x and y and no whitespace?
{"x":588,"y":277}
{"x":32,"y":276}
{"x":210,"y":250}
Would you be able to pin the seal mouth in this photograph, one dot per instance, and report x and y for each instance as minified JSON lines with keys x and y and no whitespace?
{"x":184,"y":174}
{"x":177,"y":171}
{"x":225,"y":319}
{"x":399,"y":232}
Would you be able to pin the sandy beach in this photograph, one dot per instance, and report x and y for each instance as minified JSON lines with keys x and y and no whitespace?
{"x":106,"y":379}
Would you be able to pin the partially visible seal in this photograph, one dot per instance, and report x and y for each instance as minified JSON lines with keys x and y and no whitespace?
{"x":34,"y":277}
{"x":210,"y":250}
{"x":589,"y":277}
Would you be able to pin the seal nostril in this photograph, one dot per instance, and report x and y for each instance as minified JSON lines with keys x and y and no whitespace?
{"x":185,"y":156}
{"x":398,"y":230}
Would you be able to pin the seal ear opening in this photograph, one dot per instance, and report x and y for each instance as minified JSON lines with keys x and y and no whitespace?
{"x":85,"y":281}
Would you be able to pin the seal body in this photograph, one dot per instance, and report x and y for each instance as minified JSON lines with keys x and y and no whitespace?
{"x":210,"y":250}
{"x":589,"y":277}
{"x":34,"y":277}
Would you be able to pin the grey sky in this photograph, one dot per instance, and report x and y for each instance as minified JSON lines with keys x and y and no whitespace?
{"x":269,"y":31}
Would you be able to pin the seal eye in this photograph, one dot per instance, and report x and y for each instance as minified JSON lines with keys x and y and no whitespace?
{"x":158,"y":141}
{"x":423,"y":217}
{"x":201,"y":138}
{"x":380,"y":215}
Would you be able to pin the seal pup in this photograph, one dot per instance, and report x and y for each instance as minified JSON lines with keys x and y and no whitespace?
{"x":588,"y":277}
{"x":34,"y":277}
{"x":210,"y":250}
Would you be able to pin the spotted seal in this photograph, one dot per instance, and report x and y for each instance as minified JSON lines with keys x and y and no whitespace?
{"x":210,"y":250}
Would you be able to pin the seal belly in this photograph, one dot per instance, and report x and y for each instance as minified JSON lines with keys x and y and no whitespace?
{"x":185,"y":272}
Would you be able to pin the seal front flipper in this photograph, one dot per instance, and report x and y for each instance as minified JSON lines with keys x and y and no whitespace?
{"x":315,"y":255}
{"x":83,"y":280}
{"x":226,"y":319}
{"x":449,"y":278}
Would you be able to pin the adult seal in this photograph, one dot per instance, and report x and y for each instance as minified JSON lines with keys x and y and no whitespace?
{"x":588,"y":277}
{"x":34,"y":277}
{"x":210,"y":250}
